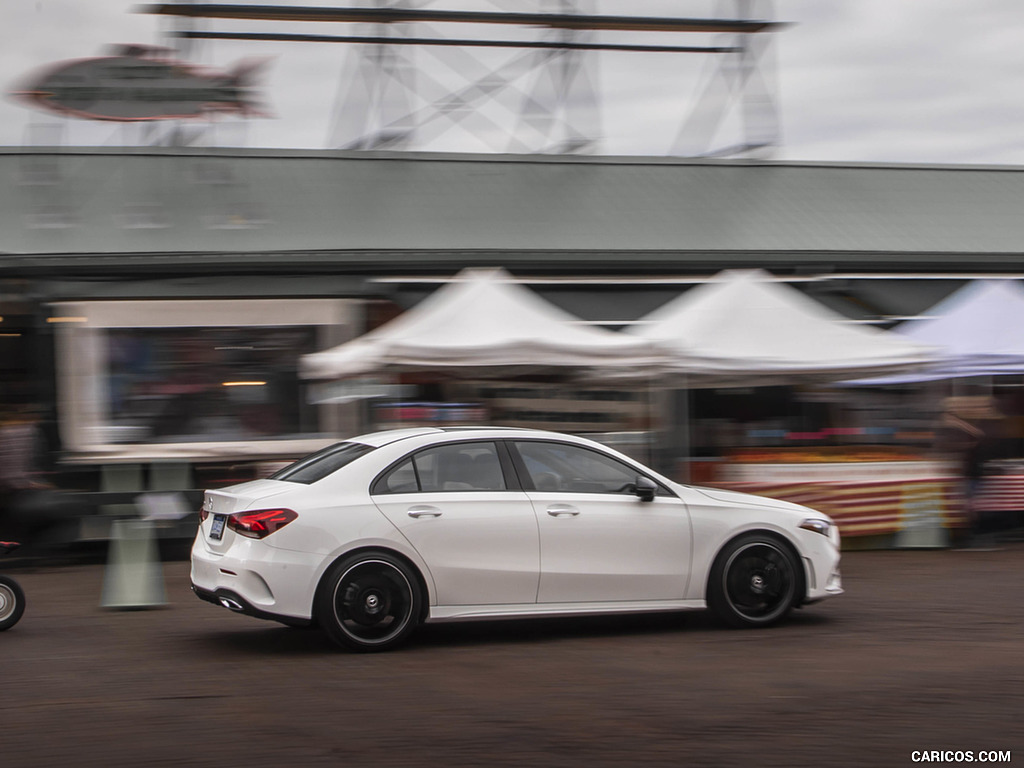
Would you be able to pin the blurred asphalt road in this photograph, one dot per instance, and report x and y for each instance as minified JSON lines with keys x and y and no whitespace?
{"x":925,"y":651}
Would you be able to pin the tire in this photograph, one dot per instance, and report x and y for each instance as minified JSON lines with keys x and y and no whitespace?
{"x":755,"y":582}
{"x":369,"y":602}
{"x":12,"y":602}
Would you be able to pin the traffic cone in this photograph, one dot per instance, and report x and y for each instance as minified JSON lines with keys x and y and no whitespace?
{"x":134,"y":574}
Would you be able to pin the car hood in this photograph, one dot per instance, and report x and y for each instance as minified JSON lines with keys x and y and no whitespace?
{"x":750,"y":500}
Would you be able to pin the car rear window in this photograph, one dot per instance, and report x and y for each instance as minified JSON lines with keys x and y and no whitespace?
{"x":324,"y":462}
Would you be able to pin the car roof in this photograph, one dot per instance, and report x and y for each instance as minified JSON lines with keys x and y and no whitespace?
{"x":378,"y":439}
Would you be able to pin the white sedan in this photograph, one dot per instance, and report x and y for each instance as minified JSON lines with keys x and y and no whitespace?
{"x":374,"y":535}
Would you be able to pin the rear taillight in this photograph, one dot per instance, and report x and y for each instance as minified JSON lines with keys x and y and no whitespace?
{"x":203,"y":514}
{"x":261,"y":522}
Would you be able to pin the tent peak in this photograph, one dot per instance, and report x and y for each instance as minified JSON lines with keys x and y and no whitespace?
{"x":482,"y":274}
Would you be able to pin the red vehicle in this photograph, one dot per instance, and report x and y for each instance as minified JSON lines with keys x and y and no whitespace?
{"x":12,"y":598}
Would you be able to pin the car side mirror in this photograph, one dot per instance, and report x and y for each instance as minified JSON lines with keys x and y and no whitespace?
{"x":645,"y":488}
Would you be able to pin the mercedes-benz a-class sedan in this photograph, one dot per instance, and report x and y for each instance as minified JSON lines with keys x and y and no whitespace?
{"x":374,"y":535}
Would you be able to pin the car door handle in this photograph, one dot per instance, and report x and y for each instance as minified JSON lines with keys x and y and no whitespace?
{"x":562,"y":510}
{"x":424,"y":511}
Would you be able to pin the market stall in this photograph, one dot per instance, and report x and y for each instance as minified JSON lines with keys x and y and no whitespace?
{"x":747,"y":330}
{"x":980,"y":332}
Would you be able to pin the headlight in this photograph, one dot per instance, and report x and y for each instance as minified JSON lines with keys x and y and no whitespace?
{"x":817,"y":525}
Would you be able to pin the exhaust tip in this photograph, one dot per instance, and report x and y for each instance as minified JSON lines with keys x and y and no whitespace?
{"x":233,"y":605}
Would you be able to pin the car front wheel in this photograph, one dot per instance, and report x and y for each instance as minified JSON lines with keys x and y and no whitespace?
{"x":755,"y":581}
{"x":369,"y":602}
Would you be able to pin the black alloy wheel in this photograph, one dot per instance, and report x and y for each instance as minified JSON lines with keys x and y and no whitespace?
{"x":755,"y":582}
{"x":370,"y":602}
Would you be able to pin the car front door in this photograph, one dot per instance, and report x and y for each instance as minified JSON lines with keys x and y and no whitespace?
{"x":599,"y":542}
{"x":476,"y":532}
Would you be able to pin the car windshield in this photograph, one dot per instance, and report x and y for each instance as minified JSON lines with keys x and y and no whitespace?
{"x":324,"y":462}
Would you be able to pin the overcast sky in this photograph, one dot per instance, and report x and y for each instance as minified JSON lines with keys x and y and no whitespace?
{"x":853,"y":80}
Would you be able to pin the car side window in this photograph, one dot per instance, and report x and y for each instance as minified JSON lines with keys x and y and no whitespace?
{"x":401,"y":479}
{"x":473,"y":466}
{"x":574,"y":469}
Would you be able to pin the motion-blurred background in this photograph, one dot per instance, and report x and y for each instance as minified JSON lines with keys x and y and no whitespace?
{"x":809,"y":215}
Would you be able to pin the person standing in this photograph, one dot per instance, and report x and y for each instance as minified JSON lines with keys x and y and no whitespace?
{"x":970,"y":435}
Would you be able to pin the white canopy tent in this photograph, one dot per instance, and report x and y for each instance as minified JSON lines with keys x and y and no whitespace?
{"x":745,"y":329}
{"x":484,"y":323}
{"x":979,"y":330}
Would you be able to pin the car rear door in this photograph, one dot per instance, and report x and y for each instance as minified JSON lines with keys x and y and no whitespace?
{"x":463,"y":512}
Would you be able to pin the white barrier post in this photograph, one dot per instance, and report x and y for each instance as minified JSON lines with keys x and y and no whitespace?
{"x":134,"y":574}
{"x":921,"y":518}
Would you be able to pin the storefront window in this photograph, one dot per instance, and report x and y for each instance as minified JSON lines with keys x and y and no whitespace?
{"x":197,"y":378}
{"x":203,"y":384}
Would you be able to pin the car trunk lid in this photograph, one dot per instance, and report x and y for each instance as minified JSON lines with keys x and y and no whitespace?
{"x":219,"y":504}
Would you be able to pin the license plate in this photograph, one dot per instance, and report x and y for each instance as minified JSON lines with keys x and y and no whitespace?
{"x":217,"y":529}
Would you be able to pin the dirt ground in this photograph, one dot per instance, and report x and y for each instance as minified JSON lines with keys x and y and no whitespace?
{"x":923,"y":652}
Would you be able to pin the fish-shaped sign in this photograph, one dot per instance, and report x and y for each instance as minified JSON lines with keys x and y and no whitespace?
{"x":139,"y":82}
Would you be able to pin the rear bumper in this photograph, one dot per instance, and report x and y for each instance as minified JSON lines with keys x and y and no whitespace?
{"x":233,"y":601}
{"x":266,"y":582}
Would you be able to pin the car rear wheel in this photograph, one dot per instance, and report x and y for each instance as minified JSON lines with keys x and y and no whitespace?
{"x":12,"y":602}
{"x":369,"y":602}
{"x":755,"y":581}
